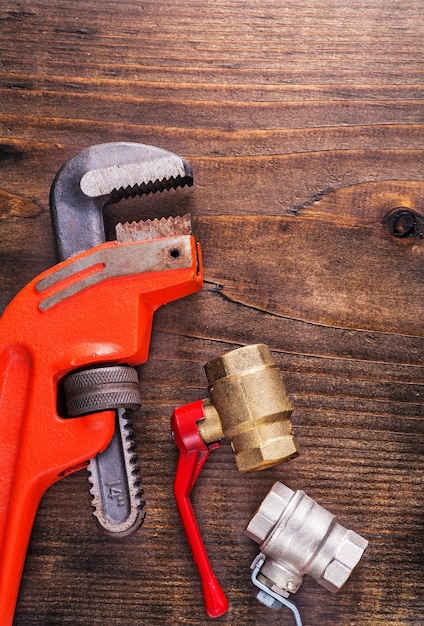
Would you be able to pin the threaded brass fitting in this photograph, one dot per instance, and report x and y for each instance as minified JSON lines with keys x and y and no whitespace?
{"x":249,"y":405}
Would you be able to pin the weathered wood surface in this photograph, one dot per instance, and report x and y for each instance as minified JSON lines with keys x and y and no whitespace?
{"x":302,"y":121}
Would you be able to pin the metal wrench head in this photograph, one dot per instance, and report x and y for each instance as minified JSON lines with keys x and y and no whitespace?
{"x":102,"y":175}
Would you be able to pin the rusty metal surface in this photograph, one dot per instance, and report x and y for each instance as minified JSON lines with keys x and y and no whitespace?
{"x":154,"y":229}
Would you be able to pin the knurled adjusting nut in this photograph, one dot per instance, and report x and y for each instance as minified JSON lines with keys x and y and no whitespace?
{"x":101,"y":389}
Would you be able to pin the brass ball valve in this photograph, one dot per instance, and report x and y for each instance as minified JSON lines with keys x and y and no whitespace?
{"x":248,"y":404}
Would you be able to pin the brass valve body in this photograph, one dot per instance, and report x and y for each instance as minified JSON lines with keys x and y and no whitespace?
{"x":249,"y":405}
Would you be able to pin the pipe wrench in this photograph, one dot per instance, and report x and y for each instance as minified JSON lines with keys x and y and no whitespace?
{"x":94,"y":308}
{"x":94,"y":178}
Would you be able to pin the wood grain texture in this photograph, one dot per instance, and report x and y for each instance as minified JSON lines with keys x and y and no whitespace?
{"x":303,"y":124}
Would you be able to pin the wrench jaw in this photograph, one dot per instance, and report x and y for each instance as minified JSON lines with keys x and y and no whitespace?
{"x":154,"y":229}
{"x":171,"y":180}
{"x":114,"y":476}
{"x":102,"y":175}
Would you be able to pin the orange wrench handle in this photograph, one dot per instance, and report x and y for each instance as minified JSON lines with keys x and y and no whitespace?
{"x":31,"y":459}
{"x":65,"y":319}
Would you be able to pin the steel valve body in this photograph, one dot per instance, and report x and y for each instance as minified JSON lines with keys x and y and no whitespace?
{"x":297,"y":536}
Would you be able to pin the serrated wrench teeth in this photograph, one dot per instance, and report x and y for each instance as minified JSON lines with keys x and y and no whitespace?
{"x":154,"y":229}
{"x":138,"y":175}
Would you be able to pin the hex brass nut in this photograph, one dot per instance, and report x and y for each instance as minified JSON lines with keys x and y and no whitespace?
{"x":238,"y":361}
{"x":267,"y":455}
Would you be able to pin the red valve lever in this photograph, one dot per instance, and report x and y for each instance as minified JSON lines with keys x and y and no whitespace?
{"x":193,"y":454}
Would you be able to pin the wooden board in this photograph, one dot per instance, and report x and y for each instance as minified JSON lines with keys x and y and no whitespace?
{"x":303,"y":124}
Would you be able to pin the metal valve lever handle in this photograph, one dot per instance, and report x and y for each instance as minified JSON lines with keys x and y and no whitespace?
{"x":271,"y":598}
{"x":53,"y":327}
{"x":193,"y":455}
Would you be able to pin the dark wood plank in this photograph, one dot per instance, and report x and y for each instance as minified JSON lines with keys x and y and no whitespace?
{"x":303,"y":124}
